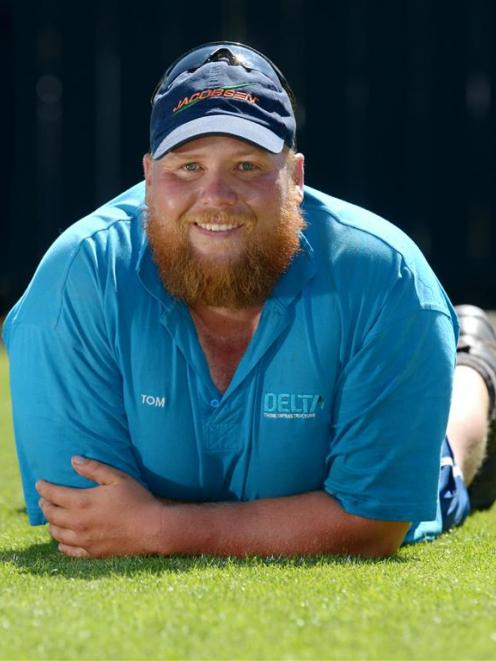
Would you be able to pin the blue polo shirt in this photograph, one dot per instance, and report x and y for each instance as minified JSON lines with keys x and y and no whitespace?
{"x":344,"y":387}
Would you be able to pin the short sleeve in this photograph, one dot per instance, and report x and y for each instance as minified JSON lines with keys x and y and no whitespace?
{"x":67,"y":391}
{"x":390,"y":417}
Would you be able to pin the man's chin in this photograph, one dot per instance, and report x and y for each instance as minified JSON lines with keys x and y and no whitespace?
{"x":219,"y":258}
{"x":217,"y":249}
{"x":218,"y":282}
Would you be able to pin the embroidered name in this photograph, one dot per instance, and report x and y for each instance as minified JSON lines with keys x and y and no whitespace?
{"x":153,"y":400}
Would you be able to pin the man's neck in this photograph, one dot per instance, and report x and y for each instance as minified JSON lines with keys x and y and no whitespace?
{"x":227,"y":321}
{"x":224,"y":335}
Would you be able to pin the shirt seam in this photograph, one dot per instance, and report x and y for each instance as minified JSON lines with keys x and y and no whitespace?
{"x":82,"y":242}
{"x":418,"y":504}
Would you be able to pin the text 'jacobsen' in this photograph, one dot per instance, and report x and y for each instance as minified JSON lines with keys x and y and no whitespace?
{"x":228,"y":92}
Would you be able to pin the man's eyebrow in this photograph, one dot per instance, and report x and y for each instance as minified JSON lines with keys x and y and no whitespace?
{"x":172,"y":156}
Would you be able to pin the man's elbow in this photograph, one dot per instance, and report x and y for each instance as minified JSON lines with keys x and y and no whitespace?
{"x":344,"y":533}
{"x":385,"y":539}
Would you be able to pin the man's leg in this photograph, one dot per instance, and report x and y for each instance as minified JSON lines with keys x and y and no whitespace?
{"x":468,"y":423}
{"x":473,"y":406}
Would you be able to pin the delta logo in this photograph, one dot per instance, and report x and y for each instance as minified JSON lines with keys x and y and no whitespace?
{"x":290,"y":405}
{"x":233,"y":92}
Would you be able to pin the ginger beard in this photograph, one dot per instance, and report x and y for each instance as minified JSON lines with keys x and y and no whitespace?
{"x":244,"y":282}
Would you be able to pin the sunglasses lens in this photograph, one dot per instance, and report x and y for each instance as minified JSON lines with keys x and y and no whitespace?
{"x":189,"y":61}
{"x":195,"y":58}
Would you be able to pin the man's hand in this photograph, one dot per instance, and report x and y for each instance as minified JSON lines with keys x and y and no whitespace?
{"x":118,"y":517}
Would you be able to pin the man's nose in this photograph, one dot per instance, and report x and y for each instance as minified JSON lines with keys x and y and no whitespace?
{"x":218,"y":190}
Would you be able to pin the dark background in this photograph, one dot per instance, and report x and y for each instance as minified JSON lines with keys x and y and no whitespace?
{"x":396,"y":113}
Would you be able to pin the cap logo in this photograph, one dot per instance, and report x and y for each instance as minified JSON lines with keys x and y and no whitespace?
{"x":231,"y":92}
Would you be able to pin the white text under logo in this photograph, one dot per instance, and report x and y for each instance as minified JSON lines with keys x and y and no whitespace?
{"x":291,"y":405}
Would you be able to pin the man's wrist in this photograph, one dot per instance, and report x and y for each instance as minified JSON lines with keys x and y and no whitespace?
{"x":157,"y":536}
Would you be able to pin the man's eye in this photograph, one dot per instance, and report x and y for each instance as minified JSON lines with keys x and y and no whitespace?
{"x":247,"y":166}
{"x":191,"y":167}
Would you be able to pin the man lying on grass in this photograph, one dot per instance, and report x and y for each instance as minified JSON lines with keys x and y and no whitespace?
{"x":221,"y":361}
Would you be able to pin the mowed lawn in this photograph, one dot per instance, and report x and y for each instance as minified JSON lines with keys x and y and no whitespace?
{"x":433,"y":601}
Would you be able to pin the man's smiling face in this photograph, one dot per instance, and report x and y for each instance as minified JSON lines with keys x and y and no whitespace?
{"x":223,"y":219}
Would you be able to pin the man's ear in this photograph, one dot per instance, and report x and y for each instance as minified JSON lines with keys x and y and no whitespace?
{"x":298,"y":174}
{"x":147,"y":168}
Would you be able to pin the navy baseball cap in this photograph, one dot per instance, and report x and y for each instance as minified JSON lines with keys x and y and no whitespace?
{"x":222,"y":88}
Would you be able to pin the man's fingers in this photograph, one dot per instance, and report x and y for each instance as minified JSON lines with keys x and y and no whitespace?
{"x":96,"y":471}
{"x":73,"y":551}
{"x":67,"y":497}
{"x":64,"y":535}
{"x":59,"y":516}
{"x":70,"y":497}
{"x":69,"y":542}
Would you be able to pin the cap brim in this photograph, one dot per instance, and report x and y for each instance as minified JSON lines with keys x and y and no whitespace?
{"x":221,"y":124}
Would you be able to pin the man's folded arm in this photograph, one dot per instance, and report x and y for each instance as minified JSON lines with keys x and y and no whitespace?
{"x":307,"y":524}
{"x":121,"y":517}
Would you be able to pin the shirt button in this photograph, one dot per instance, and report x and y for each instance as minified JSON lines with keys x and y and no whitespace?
{"x":214,"y":403}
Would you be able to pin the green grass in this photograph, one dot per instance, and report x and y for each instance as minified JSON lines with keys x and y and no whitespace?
{"x":434,"y":601}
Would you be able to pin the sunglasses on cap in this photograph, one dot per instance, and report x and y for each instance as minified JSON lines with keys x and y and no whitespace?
{"x":231,"y":51}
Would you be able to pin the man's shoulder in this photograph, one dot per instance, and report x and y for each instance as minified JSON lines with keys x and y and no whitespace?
{"x":364,"y":251}
{"x":112,"y":233}
{"x":354,"y":224}
{"x":106,"y":240}
{"x":114,"y":217}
